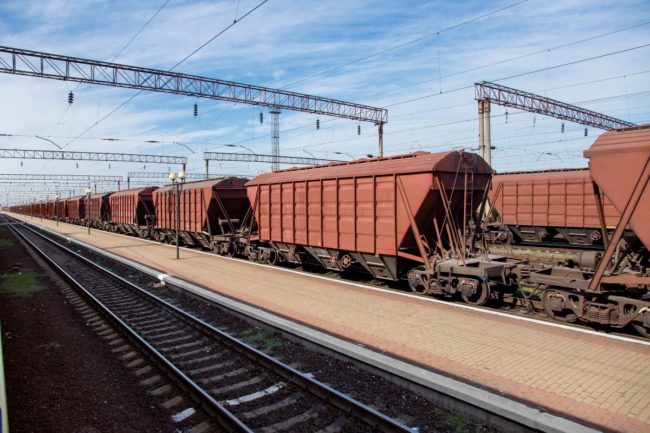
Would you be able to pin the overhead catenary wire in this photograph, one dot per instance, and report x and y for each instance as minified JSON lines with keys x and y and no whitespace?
{"x":404,"y":44}
{"x":431,"y":95}
{"x":512,"y":59}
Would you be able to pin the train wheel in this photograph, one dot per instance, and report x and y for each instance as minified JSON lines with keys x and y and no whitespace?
{"x":272,"y":258}
{"x":555,"y":305}
{"x":418,"y":282}
{"x":643,"y":327}
{"x":643,"y":330}
{"x":473,"y":292}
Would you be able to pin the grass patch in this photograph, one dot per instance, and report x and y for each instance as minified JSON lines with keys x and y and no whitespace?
{"x":5,"y":243}
{"x":260,"y":339}
{"x":458,"y":424}
{"x":21,"y":283}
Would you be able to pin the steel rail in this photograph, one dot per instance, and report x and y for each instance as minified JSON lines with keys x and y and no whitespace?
{"x":228,"y":420}
{"x":368,"y":415}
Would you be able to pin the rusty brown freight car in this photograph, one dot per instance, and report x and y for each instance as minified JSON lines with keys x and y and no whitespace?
{"x":60,"y":212}
{"x":132,"y":211}
{"x":385,"y":214}
{"x":49,"y":209}
{"x":98,"y":211}
{"x":548,"y":206}
{"x":210,"y":211}
{"x":75,"y":209}
{"x":616,"y":294}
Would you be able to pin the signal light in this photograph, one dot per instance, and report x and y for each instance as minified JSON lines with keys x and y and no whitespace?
{"x":70,"y":98}
{"x":196,"y":110}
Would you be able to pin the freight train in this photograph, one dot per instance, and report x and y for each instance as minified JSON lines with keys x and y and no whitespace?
{"x":415,"y":217}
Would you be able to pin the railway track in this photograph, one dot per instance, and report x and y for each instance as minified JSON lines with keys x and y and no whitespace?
{"x":239,"y":388}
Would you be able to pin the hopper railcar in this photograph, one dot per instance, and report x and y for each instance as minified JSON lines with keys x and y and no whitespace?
{"x":397,"y":217}
{"x":616,"y":293}
{"x":75,"y":210}
{"x":98,"y":211}
{"x":209,"y":213}
{"x":551,"y":206}
{"x":132,"y":211}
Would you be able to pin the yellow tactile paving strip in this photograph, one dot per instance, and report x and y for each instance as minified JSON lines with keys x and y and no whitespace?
{"x":593,"y":379}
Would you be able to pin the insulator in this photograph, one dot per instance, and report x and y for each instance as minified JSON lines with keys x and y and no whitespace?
{"x":196,"y":110}
{"x":534,"y":120}
{"x":77,"y":164}
{"x":358,"y":129}
{"x":70,"y":98}
{"x":562,"y":127}
{"x":585,"y":132}
{"x":506,"y":116}
{"x":261,"y":118}
{"x":317,"y":123}
{"x":21,"y":163}
{"x":109,"y":166}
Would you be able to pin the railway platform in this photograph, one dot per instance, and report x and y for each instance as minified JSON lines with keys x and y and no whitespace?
{"x":592,"y":379}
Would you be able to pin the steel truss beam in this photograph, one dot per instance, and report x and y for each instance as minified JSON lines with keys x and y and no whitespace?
{"x":509,"y":97}
{"x":251,"y":157}
{"x":91,"y":156}
{"x":62,"y":177}
{"x":164,"y":175}
{"x":39,"y":64}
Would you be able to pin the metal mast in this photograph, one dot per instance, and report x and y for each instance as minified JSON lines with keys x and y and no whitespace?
{"x":275,"y":139}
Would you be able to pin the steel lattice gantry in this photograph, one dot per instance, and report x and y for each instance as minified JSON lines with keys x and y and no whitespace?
{"x":254,"y":157}
{"x":486,"y":92}
{"x":62,"y":177}
{"x":39,"y":64}
{"x":91,"y":156}
{"x":165,"y":175}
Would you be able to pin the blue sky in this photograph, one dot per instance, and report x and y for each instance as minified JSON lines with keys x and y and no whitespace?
{"x":315,"y":47}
